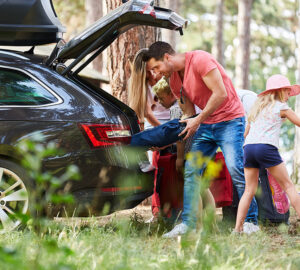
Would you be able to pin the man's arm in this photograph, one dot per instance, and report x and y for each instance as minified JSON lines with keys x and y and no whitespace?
{"x":214,"y":82}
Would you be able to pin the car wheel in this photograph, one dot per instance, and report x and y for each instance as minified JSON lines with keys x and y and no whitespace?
{"x":14,"y":197}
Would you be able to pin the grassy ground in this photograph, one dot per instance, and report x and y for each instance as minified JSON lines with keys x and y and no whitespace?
{"x":125,"y":242}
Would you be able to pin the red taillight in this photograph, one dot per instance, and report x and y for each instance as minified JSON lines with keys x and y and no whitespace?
{"x":147,"y":9}
{"x":106,"y":135}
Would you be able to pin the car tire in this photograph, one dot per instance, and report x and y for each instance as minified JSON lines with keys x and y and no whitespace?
{"x":14,"y":195}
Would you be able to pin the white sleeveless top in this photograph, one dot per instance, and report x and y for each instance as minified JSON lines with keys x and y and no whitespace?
{"x":159,"y":111}
{"x":266,"y":128}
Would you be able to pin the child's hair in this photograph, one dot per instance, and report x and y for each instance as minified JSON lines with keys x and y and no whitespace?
{"x":266,"y":101}
{"x":137,"y":94}
{"x":162,"y":86}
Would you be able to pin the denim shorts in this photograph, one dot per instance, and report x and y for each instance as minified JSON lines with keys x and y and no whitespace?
{"x":261,"y":156}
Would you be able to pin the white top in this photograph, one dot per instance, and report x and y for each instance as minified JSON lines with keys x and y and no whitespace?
{"x":159,"y":111}
{"x":248,"y":98}
{"x":266,"y":128}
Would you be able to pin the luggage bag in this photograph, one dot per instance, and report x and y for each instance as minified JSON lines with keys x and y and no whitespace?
{"x":168,"y":186}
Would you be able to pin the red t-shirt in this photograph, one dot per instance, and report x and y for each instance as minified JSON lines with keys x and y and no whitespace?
{"x":197,"y":65}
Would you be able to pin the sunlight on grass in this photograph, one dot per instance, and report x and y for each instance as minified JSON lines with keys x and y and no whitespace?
{"x":130,"y":244}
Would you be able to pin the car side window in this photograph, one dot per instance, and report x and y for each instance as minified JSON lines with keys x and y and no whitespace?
{"x":18,"y":88}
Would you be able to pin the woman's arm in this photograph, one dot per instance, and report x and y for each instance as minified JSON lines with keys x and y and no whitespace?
{"x":150,"y":116}
{"x":291,"y":115}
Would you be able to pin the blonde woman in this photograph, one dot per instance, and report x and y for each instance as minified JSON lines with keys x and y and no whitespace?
{"x":262,"y":139}
{"x":141,"y":98}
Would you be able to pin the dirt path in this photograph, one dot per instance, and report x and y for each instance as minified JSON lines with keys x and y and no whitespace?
{"x":142,"y":210}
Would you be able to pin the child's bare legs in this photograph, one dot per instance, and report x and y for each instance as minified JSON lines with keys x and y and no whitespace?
{"x":281,"y":175}
{"x":206,"y":202}
{"x":210,"y":205}
{"x":251,"y":178}
{"x":200,"y":214}
{"x":208,"y":199}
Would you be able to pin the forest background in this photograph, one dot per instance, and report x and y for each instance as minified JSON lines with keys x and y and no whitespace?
{"x":253,"y":39}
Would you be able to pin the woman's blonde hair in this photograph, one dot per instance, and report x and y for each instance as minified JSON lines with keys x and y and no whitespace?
{"x":266,"y":101}
{"x":137,"y":90}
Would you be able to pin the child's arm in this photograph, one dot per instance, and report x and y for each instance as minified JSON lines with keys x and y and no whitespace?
{"x":291,"y":115}
{"x":180,"y":156}
{"x":247,"y":130}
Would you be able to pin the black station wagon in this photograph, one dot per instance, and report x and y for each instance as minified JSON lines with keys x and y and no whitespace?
{"x":45,"y":94}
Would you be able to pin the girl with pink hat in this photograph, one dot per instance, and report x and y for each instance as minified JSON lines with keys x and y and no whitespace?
{"x":262,"y":141}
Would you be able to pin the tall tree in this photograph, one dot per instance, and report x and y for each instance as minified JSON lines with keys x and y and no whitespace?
{"x":243,"y":49}
{"x":168,"y":35}
{"x":296,"y":165}
{"x":94,"y":11}
{"x":122,"y":51}
{"x":218,"y":50}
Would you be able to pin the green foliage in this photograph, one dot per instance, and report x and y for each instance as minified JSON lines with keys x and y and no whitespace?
{"x":47,"y":188}
{"x":72,"y":15}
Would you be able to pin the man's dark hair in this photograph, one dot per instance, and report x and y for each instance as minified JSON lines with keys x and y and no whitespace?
{"x":157,"y":51}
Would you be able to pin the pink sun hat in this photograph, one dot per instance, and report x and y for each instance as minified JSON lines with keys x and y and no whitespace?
{"x":277,"y":82}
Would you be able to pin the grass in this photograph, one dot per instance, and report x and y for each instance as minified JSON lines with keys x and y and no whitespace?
{"x":128,"y":243}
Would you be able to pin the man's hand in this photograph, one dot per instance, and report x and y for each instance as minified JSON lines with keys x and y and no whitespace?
{"x":192,"y":124}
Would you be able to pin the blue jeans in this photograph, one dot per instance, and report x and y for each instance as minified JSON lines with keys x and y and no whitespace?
{"x":228,"y":136}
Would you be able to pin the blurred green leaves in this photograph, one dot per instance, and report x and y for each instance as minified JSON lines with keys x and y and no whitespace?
{"x":47,"y":188}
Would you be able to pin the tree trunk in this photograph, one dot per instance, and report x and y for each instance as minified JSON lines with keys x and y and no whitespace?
{"x":296,"y":169}
{"x":296,"y":165}
{"x":94,"y":11}
{"x":219,"y":46}
{"x":243,"y":49}
{"x":172,"y":37}
{"x":122,"y":51}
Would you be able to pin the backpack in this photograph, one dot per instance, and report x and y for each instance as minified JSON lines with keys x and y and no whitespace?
{"x":267,"y":211}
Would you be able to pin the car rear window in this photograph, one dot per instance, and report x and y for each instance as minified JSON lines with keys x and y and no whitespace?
{"x":18,"y":88}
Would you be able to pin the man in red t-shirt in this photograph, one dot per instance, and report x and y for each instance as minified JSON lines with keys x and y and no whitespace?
{"x":198,"y":76}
